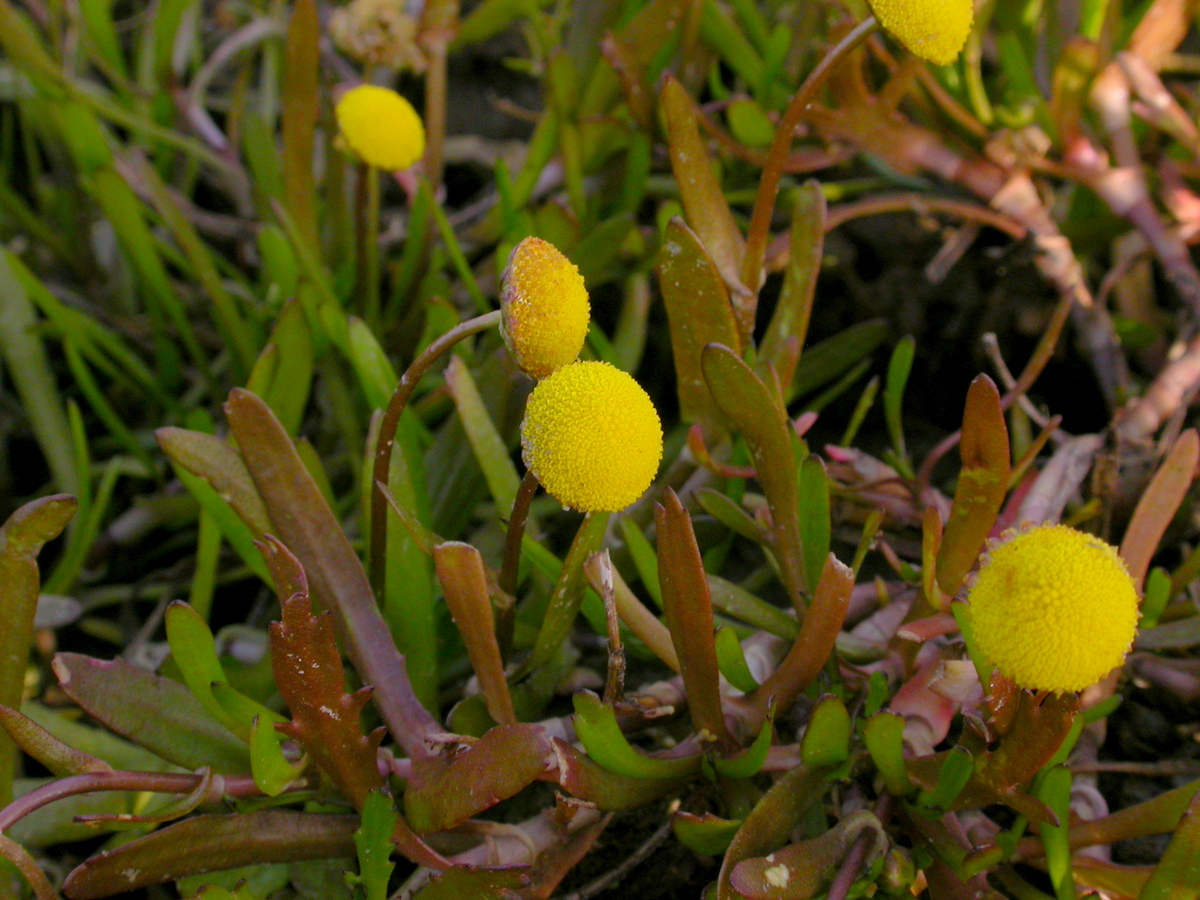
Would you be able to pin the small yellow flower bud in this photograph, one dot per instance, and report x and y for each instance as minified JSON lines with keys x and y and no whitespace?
{"x":1054,"y":608}
{"x":381,"y":127}
{"x":592,"y":437}
{"x":934,"y":30}
{"x":544,"y":308}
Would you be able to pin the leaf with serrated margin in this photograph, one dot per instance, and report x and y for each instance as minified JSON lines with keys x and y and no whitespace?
{"x":698,"y":313}
{"x":304,"y":522}
{"x":373,"y":840}
{"x":982,"y":484}
{"x":156,"y":713}
{"x":308,"y":672}
{"x":210,"y":843}
{"x":756,"y":414}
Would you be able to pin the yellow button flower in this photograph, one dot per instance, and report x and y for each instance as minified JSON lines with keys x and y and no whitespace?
{"x":592,"y":437}
{"x":934,"y":30}
{"x":1054,"y":608}
{"x":381,"y":127}
{"x":544,"y":308}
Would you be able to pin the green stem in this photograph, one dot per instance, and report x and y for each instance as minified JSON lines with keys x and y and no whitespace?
{"x":367,"y":211}
{"x":510,"y":567}
{"x":768,"y":185}
{"x":568,"y":592}
{"x":387,"y":433}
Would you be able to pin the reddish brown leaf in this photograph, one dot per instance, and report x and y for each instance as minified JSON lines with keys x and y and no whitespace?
{"x":1159,"y":503}
{"x":211,"y":843}
{"x":464,"y":583}
{"x":689,"y":612}
{"x":444,"y":794}
{"x":982,"y":484}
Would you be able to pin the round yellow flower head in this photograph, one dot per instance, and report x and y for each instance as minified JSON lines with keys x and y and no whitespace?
{"x":1054,"y":608}
{"x":543,"y":307}
{"x":934,"y":30}
{"x":381,"y":127}
{"x":592,"y":437}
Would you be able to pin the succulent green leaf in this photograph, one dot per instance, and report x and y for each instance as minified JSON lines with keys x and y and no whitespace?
{"x":732,"y":661}
{"x":707,"y":835}
{"x":750,"y":761}
{"x":826,"y":740}
{"x":598,"y":731}
{"x":373,"y":840}
{"x":271,"y":769}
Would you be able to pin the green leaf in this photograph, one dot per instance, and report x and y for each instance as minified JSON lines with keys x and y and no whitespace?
{"x":815,"y":523}
{"x":732,"y":661}
{"x":490,"y":450}
{"x":707,"y":835}
{"x":156,"y":713}
{"x":703,"y":199}
{"x":899,"y":367}
{"x":837,"y":355}
{"x":698,"y":313}
{"x":271,"y":769}
{"x":826,"y":740}
{"x":750,"y":761}
{"x":21,"y":539}
{"x":282,"y":374}
{"x":373,"y":840}
{"x":758,"y":415}
{"x":789,"y":322}
{"x":598,"y":731}
{"x":884,"y":738}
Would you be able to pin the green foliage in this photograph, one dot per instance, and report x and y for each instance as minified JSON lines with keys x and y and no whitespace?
{"x":205,"y":305}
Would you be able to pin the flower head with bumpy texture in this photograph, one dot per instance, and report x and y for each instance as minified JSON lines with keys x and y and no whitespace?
{"x":934,"y":30}
{"x":381,"y":127}
{"x":592,"y":437}
{"x":543,"y":307}
{"x":1054,"y":608}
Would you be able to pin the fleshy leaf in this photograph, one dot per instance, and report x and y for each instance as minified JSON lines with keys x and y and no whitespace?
{"x":609,"y":790}
{"x":271,"y":769}
{"x":325,"y":719}
{"x":826,"y":740}
{"x":304,"y":522}
{"x":598,"y":731}
{"x":21,"y":538}
{"x":478,"y":884}
{"x":703,"y":199}
{"x":815,"y":524}
{"x":308,"y":671}
{"x":1159,"y":503}
{"x":373,"y":840}
{"x":761,"y":419}
{"x":770,"y":823}
{"x":982,"y":484}
{"x":799,"y":871}
{"x":498,"y":765}
{"x":156,"y":713}
{"x":689,"y":615}
{"x":789,"y":322}
{"x":750,"y":761}
{"x":732,"y":661}
{"x":884,"y":738}
{"x":60,"y":758}
{"x":699,"y":314}
{"x":210,"y":843}
{"x":707,"y":835}
{"x":464,"y":582}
